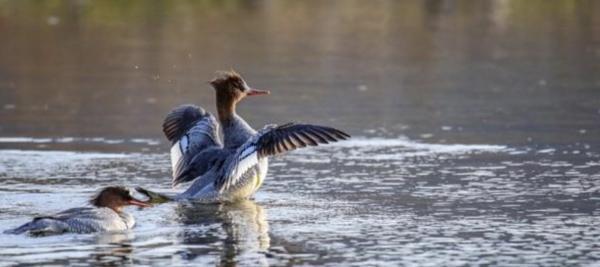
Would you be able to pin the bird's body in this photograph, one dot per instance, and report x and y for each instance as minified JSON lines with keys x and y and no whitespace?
{"x":78,"y":220}
{"x":204,"y":188}
{"x":236,"y":131}
{"x":227,"y":160}
{"x":105,"y":215}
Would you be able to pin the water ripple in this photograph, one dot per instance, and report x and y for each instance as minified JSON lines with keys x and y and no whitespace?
{"x":375,"y":201}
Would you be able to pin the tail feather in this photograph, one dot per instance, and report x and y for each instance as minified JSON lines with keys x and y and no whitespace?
{"x":21,"y":229}
{"x":40,"y":227}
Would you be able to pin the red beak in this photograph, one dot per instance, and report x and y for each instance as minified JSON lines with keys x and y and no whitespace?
{"x":253,"y":91}
{"x":139,"y":203}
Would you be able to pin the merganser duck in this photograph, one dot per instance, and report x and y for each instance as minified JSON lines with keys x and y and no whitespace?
{"x":105,"y":215}
{"x":234,"y":166}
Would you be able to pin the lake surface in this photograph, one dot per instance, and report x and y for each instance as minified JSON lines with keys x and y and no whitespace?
{"x":475,"y":128}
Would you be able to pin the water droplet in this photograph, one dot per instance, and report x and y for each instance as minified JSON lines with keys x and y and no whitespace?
{"x":426,"y":135}
{"x":53,"y":20}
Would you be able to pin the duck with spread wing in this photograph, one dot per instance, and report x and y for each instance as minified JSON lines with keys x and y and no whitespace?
{"x":227,"y":160}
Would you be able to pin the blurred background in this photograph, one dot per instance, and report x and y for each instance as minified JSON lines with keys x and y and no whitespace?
{"x":504,"y":71}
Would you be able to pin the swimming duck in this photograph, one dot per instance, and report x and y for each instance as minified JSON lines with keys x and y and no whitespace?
{"x":227,"y":160}
{"x":105,"y":215}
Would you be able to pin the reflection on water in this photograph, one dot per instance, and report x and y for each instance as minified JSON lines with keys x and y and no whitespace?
{"x":479,"y":125}
{"x":244,"y":225}
{"x":114,"y":249}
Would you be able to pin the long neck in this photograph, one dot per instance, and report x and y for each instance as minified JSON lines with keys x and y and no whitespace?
{"x":225,"y":107}
{"x":235,"y":130}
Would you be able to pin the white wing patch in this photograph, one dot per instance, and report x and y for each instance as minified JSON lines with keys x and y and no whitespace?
{"x":176,"y":156}
{"x":184,"y":143}
{"x":248,"y":158}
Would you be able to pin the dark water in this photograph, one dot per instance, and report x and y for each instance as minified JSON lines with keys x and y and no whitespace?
{"x":476,"y":129}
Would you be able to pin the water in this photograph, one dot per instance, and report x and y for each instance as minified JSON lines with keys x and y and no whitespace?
{"x":475,"y":129}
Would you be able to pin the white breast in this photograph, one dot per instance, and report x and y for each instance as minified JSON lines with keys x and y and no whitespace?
{"x":263,"y":167}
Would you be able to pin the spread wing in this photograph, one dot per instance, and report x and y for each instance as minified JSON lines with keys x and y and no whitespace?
{"x":194,"y":134}
{"x":273,"y":140}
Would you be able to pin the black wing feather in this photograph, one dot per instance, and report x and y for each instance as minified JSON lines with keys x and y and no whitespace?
{"x":180,"y":120}
{"x":293,"y":136}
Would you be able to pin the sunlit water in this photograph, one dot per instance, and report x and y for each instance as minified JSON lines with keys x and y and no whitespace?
{"x":363,"y":201}
{"x":475,"y":127}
